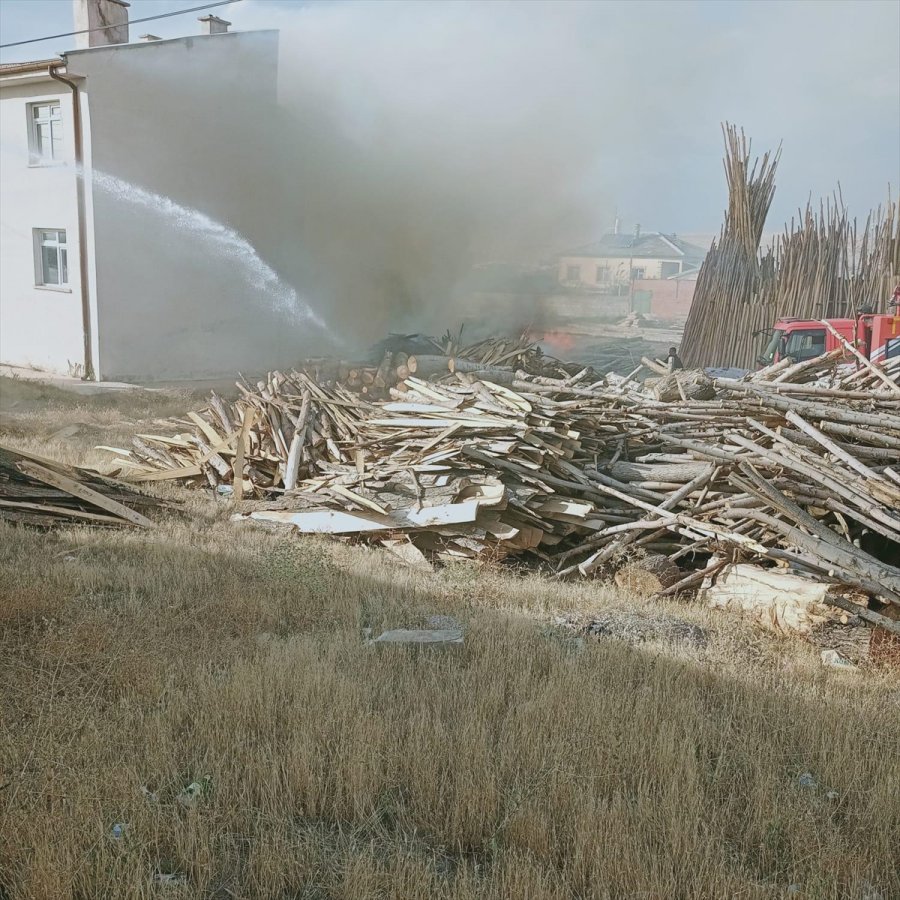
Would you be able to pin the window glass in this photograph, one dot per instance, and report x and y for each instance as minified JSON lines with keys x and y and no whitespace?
{"x":52,"y":258}
{"x":46,"y":132}
{"x":768,"y":355}
{"x":669,"y":268}
{"x":803,"y":345}
{"x":50,"y":266}
{"x":44,"y":139}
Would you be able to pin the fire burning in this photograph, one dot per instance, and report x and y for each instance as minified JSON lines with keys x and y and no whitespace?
{"x":559,"y":342}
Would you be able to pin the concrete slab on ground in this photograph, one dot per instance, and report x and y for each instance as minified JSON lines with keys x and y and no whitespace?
{"x":67,"y":382}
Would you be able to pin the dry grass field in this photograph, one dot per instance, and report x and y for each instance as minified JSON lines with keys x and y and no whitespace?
{"x":525,"y":763}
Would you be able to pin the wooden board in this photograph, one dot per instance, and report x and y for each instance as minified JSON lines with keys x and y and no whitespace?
{"x":94,"y":498}
{"x":331,"y":521}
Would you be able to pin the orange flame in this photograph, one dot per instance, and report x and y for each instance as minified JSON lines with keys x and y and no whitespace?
{"x":559,"y":342}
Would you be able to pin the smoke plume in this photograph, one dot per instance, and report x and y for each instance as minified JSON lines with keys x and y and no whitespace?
{"x":428,"y":137}
{"x":413,"y":141}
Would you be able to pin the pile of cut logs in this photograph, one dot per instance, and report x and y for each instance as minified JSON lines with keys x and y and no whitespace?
{"x":400,"y":356}
{"x":796,"y":466}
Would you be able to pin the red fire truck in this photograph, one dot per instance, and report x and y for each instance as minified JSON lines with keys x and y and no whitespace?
{"x":875,"y":335}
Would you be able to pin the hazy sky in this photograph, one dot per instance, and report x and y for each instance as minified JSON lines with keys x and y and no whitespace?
{"x":637,"y":89}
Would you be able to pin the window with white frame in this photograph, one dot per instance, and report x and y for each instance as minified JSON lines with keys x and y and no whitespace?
{"x":45,"y":134}
{"x":51,"y":259}
{"x":667,"y":269}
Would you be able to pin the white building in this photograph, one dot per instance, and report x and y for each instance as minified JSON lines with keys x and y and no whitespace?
{"x":41,"y":316}
{"x":126,"y":273}
{"x":616,"y":260}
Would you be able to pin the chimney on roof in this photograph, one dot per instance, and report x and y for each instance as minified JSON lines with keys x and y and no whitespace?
{"x":149,"y":37}
{"x":106,"y":19}
{"x":637,"y":233}
{"x":212,"y":25}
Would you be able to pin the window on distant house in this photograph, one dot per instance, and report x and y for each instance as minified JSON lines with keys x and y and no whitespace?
{"x":51,"y":262}
{"x":668,"y":269}
{"x":637,"y":273}
{"x":45,"y":134}
{"x":573,"y":273}
{"x":602,"y":275}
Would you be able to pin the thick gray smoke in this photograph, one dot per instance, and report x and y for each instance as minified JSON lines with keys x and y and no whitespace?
{"x":431,"y":136}
{"x":412,"y":141}
{"x":427,"y":138}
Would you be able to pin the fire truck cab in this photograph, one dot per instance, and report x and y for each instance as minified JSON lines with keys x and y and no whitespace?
{"x":876,"y":336}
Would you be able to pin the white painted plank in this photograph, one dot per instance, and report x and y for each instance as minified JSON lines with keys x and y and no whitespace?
{"x":443,"y":422}
{"x":333,"y":521}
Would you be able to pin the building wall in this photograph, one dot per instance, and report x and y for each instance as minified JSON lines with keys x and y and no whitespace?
{"x":483,"y":313}
{"x":670,"y":298}
{"x":40,"y":327}
{"x":619,"y":269}
{"x":184,"y":125}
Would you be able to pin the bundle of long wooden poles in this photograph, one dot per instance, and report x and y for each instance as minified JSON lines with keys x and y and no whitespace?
{"x":822,"y":266}
{"x":798,"y":465}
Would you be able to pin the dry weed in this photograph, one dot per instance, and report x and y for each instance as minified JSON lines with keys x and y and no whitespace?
{"x":522,"y":764}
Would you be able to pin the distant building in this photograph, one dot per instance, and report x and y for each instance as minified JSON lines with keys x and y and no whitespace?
{"x":616,"y":260}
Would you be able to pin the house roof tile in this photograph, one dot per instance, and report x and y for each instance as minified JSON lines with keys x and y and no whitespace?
{"x":32,"y":65}
{"x":652,"y":245}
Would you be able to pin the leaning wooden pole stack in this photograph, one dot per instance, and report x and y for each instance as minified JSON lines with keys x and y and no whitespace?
{"x":729,"y":278}
{"x":823,"y":266}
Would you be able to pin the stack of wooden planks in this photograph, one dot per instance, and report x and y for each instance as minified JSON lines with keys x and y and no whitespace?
{"x":520,"y":353}
{"x":427,"y":357}
{"x":796,"y":466}
{"x":278,"y":433}
{"x":40,"y":492}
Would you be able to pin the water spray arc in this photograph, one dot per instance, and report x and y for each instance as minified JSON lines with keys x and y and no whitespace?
{"x":259,"y":274}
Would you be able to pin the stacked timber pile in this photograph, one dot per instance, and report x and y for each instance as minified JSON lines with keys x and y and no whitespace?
{"x":822,"y":266}
{"x":396,"y":358}
{"x":522,"y":353}
{"x":40,"y":492}
{"x":796,"y":466}
{"x":621,"y":354}
{"x":280,"y":432}
{"x":716,"y":332}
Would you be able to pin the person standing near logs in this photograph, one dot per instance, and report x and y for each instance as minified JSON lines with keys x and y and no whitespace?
{"x":674,"y":360}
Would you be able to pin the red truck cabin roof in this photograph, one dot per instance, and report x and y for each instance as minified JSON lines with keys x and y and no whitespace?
{"x":788,"y":324}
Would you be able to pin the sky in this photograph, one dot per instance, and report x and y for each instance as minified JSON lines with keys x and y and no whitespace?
{"x":621,"y":102}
